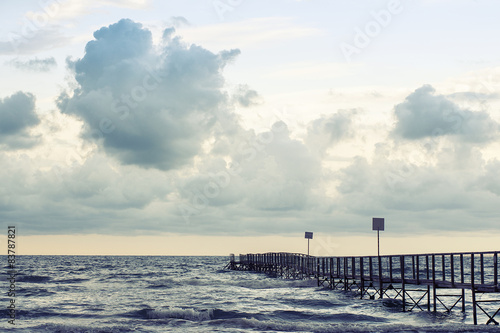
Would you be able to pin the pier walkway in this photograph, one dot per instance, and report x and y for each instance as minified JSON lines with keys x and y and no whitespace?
{"x":420,"y":281}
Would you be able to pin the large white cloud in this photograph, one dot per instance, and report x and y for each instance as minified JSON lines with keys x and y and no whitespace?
{"x":149,"y":106}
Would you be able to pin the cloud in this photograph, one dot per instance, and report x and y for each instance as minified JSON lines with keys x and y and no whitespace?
{"x":278,"y":171}
{"x":161,"y":141}
{"x":94,"y":196}
{"x":31,"y":39}
{"x":178,"y":21}
{"x":331,"y":129}
{"x":36,"y":65}
{"x":17,"y":117}
{"x":489,"y":179}
{"x":249,"y":177}
{"x":424,"y":114}
{"x":148,"y":107}
{"x":245,"y":96}
{"x":450,"y":188}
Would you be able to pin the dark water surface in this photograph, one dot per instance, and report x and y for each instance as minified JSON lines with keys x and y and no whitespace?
{"x":193,"y":294}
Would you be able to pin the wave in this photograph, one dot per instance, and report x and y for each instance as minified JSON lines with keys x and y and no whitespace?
{"x":48,"y":313}
{"x":32,"y":278}
{"x":190,"y":314}
{"x":330,"y":317}
{"x":69,"y":281}
{"x":38,"y":292}
{"x":218,"y":314}
{"x":71,"y":328}
{"x":163,"y":283}
{"x":313,"y":303}
{"x":175,"y":313}
{"x":35,"y":313}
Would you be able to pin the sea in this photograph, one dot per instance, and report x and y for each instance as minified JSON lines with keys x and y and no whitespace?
{"x":194,"y":294}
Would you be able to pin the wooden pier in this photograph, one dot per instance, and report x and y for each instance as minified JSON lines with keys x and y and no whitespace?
{"x":420,"y":281}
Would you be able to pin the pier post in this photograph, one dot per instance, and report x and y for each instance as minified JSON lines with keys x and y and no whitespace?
{"x":434,"y":294}
{"x":495,"y":271}
{"x":380,"y":277}
{"x":428,"y":287}
{"x":481,"y":257}
{"x":331,"y":274}
{"x":345,"y":273}
{"x":317,"y":273}
{"x":462,"y":279}
{"x":473,"y":287}
{"x":361,"y":273}
{"x":402,"y":268}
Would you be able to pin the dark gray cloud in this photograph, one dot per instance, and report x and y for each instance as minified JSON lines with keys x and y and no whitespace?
{"x":148,"y":107}
{"x":36,"y":65}
{"x":17,"y":117}
{"x":425,"y":114}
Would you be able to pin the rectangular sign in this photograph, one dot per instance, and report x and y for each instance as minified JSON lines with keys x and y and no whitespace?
{"x":378,"y":223}
{"x":309,"y":235}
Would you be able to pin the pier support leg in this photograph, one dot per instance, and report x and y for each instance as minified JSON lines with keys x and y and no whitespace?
{"x":434,"y":297}
{"x":428,"y":298}
{"x":380,"y":277}
{"x":403,"y":294}
{"x":463,"y":300}
{"x":402,"y":268}
{"x":474,"y":310}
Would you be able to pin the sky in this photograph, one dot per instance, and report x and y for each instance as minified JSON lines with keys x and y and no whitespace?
{"x":208,"y":127}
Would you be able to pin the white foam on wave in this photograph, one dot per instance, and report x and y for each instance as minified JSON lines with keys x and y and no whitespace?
{"x":178,"y":313}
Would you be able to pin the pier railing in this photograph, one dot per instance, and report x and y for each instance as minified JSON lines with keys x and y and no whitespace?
{"x":379,"y":276}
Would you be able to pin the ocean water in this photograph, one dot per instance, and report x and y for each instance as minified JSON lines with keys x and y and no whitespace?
{"x":194,"y":294}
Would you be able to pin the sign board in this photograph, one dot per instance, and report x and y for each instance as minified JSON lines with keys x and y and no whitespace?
{"x":309,"y":235}
{"x":378,"y":223}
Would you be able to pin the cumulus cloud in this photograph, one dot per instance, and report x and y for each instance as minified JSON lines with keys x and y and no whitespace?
{"x":17,"y":117}
{"x":148,"y":107}
{"x":36,"y":65}
{"x":425,"y":114}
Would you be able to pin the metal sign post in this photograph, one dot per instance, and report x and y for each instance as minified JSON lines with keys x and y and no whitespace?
{"x":309,"y":236}
{"x":378,"y":224}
